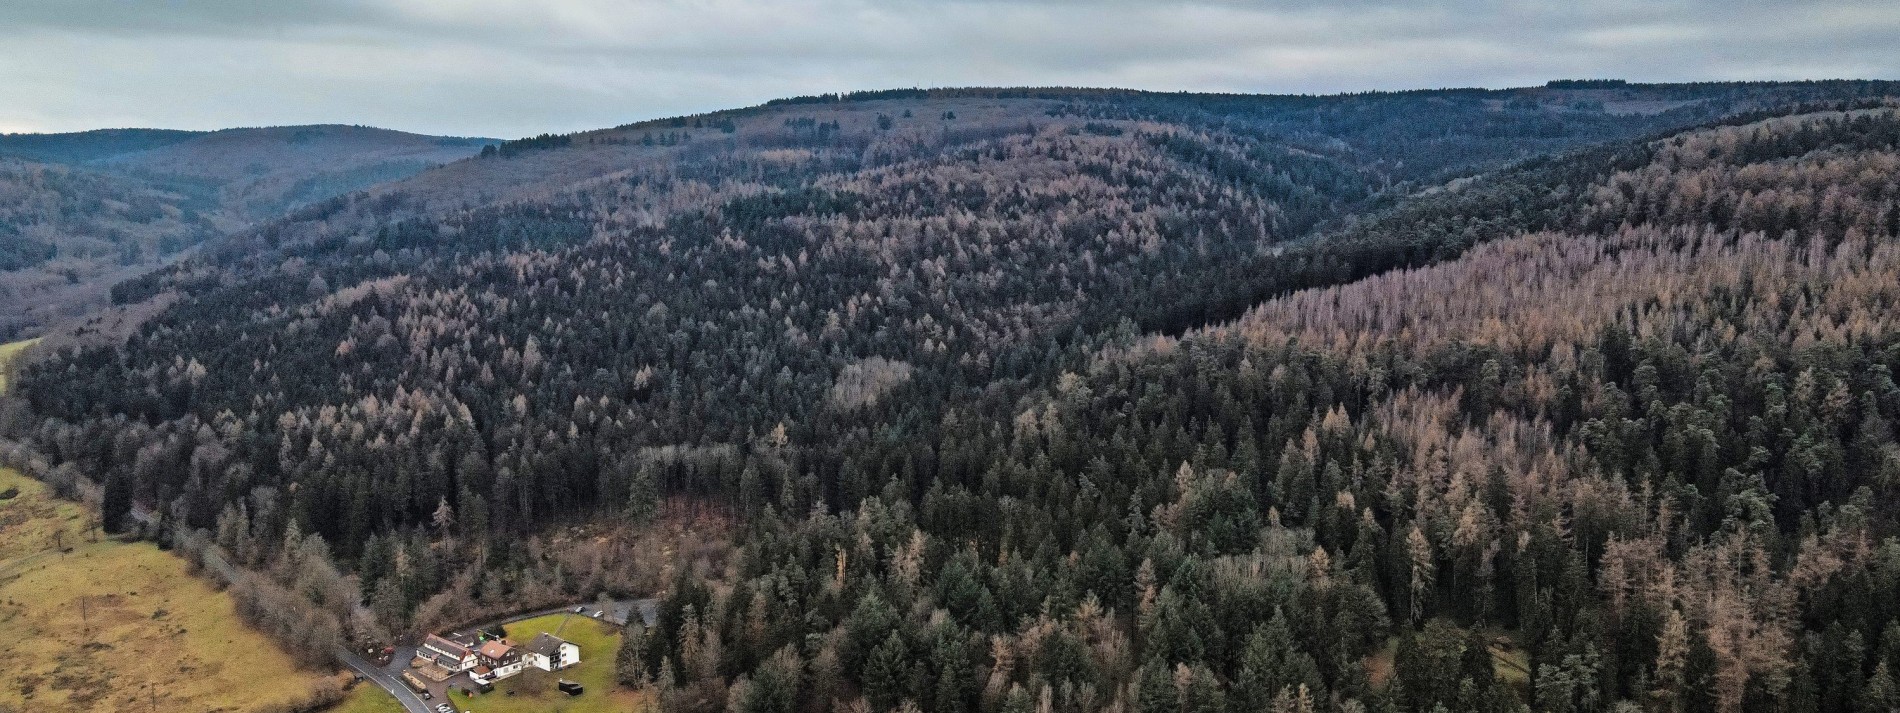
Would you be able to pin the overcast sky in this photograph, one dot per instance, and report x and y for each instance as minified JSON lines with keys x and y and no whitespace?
{"x":509,"y":68}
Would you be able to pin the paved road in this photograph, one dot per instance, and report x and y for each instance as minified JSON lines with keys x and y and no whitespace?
{"x":391,"y":682}
{"x":389,"y":677}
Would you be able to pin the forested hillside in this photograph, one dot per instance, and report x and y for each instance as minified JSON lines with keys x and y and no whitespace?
{"x":86,"y":146}
{"x":81,"y":212}
{"x":974,"y":377}
{"x":262,"y":173}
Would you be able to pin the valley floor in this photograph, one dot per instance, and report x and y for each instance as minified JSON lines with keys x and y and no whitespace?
{"x":96,"y":624}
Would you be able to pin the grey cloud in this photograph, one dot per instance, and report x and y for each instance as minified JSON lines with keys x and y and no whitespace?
{"x":184,"y":17}
{"x":513,"y":67}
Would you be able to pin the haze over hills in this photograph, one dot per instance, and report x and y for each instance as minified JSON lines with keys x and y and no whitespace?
{"x":264,"y":172}
{"x":85,"y":146}
{"x":1571,"y":398}
{"x":79,"y":212}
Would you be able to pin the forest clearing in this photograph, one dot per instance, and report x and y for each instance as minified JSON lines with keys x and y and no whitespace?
{"x":7,"y":352}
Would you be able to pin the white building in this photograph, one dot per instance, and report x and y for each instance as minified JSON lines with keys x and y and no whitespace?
{"x":451,"y":656}
{"x":500,"y":659}
{"x":548,"y":653}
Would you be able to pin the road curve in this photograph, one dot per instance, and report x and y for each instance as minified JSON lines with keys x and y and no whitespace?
{"x":620,"y":611}
{"x":408,"y":698}
{"x":382,"y":678}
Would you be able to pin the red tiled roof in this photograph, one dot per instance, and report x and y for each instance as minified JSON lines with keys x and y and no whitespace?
{"x":495,"y":650}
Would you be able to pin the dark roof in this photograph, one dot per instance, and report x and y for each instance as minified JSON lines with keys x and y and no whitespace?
{"x":444,"y":646}
{"x":545,"y":645}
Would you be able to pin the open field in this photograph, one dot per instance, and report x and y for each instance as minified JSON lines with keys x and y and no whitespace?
{"x":1513,"y":663}
{"x":7,"y":352}
{"x":367,"y":698}
{"x":32,"y":522}
{"x":596,"y":671}
{"x":99,"y":624}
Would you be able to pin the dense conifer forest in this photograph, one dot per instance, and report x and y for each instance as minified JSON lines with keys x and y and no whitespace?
{"x":1576,"y":398}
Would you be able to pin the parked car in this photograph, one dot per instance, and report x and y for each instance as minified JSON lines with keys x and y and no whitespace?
{"x":443,"y":708}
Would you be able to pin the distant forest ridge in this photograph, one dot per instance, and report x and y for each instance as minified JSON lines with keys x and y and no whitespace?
{"x":1226,"y":103}
{"x":82,"y":211}
{"x":78,"y":147}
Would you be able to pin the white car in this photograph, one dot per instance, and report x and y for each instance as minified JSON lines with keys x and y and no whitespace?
{"x":443,"y":708}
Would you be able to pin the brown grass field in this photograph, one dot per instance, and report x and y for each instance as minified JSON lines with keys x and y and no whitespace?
{"x":97,"y":625}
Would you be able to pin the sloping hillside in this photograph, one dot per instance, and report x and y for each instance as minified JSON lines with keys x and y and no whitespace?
{"x":82,"y":212}
{"x":68,"y":234}
{"x":262,"y":173}
{"x":1628,"y":406}
{"x":1642,"y":430}
{"x":1650,"y":433}
{"x":711,"y":280}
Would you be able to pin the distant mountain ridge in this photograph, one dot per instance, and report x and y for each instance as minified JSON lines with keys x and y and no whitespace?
{"x":81,"y":211}
{"x":84,"y":146}
{"x":266,"y":171}
{"x":104,"y":145}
